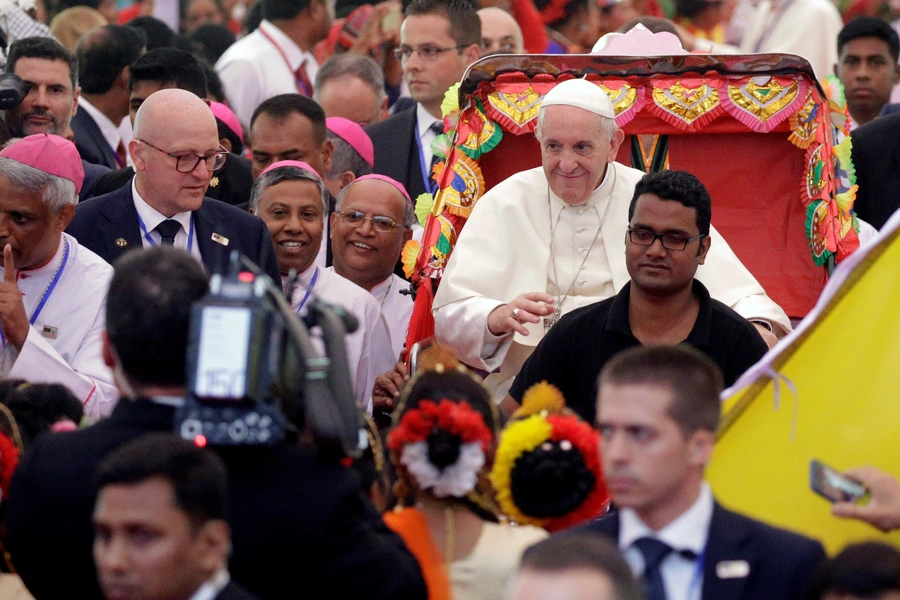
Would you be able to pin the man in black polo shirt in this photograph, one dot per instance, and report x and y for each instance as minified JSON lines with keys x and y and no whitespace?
{"x":667,"y":239}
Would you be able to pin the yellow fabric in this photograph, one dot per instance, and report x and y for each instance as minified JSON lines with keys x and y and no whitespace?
{"x":847,"y":409}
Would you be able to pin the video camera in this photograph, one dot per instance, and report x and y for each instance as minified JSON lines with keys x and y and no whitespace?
{"x":254,"y":376}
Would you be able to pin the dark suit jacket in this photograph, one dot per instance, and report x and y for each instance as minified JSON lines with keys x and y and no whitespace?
{"x":92,"y":176}
{"x":300,"y":525}
{"x":89,"y":140}
{"x":233,"y":182}
{"x":781,"y":563}
{"x":102,"y":221}
{"x":876,"y":156}
{"x":396,"y":151}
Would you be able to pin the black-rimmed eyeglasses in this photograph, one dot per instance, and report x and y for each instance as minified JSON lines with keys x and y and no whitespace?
{"x":669,"y":241}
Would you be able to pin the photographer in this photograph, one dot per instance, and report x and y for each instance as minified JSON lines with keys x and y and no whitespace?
{"x":299,"y":522}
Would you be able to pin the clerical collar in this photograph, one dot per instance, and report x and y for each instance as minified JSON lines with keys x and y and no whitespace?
{"x":152,"y":217}
{"x":689,"y":531}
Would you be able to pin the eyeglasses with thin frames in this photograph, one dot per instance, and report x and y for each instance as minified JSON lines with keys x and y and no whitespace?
{"x":186,"y":163}
{"x":669,"y":241}
{"x":354,"y":219}
{"x":426,"y":53}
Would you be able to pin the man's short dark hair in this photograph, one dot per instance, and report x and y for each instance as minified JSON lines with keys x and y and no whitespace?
{"x":159,"y":35}
{"x":576,"y":551}
{"x":869,"y":27}
{"x":864,"y":570}
{"x":691,"y":8}
{"x":213,"y":40}
{"x":693,"y":378}
{"x":678,"y":186}
{"x":284,"y":105}
{"x":198,"y":476}
{"x":45,"y":48}
{"x":103,"y":53}
{"x":465,"y":24}
{"x":168,"y":65}
{"x":570,"y":9}
{"x":148,"y":312}
{"x":348,"y":64}
{"x":283,"y":9}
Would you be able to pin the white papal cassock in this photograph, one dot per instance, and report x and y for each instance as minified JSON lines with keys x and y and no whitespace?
{"x":504,"y":251}
{"x":369,"y":350}
{"x":64,"y":344}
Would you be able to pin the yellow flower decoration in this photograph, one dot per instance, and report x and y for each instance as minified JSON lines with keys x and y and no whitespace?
{"x":408,"y":257}
{"x":541,"y":396}
{"x":450,"y":104}
{"x":424,"y":203}
{"x":518,"y":438}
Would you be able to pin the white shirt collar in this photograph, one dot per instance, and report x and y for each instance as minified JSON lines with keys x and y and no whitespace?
{"x":294,"y":53}
{"x":424,"y":119}
{"x":109,"y":129}
{"x":210,"y":589}
{"x":48,"y":269}
{"x":152,"y":217}
{"x":380,"y":290}
{"x":687,"y":532}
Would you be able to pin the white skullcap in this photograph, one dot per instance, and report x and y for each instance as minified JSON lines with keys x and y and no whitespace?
{"x":581,"y":94}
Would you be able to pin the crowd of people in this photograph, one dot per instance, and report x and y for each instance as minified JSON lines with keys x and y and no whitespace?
{"x":550,"y":443}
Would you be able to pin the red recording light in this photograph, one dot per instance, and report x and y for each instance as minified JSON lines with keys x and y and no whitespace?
{"x":200,"y":441}
{"x":246,"y":277}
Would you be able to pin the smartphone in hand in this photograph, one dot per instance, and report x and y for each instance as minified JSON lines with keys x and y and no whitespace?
{"x":833,"y":485}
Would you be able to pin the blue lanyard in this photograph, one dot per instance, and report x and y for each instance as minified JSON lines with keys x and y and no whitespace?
{"x":312,"y":284}
{"x":697,"y":577}
{"x":426,"y":176}
{"x":48,"y":291}
{"x":147,"y":237}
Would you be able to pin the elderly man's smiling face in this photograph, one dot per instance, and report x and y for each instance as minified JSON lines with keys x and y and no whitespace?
{"x":575,"y":150}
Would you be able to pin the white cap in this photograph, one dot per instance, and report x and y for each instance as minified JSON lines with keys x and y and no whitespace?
{"x":581,"y":94}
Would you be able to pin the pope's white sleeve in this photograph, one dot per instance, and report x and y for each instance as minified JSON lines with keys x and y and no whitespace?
{"x":86,"y":375}
{"x":462,"y":325}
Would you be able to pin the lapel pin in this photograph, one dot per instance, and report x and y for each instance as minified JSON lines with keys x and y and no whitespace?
{"x":221,"y":239}
{"x":733,"y":569}
{"x":50,"y":332}
{"x":121,"y":242}
{"x":214,"y":182}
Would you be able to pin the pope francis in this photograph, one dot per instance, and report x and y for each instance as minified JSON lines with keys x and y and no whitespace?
{"x":551,"y":239}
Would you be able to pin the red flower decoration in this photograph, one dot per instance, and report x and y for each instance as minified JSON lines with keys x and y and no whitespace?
{"x":457,"y":418}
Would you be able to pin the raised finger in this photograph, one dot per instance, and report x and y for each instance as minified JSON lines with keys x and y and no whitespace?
{"x":9,"y":268}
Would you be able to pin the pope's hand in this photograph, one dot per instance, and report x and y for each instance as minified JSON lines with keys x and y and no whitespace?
{"x":883,"y":509}
{"x":13,"y":319}
{"x":525,"y":308}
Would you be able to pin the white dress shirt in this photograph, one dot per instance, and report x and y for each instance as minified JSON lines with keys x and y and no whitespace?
{"x":396,"y":308}
{"x":424,"y":121}
{"x":151,"y":217}
{"x":109,"y":129}
{"x":254,"y":69}
{"x":682,"y":576}
{"x":64,"y":344}
{"x":369,"y":351}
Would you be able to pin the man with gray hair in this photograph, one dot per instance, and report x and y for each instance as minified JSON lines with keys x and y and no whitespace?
{"x":291,"y":199}
{"x":550,"y":239}
{"x":353,"y":154}
{"x":352,"y":86}
{"x":53,"y":290}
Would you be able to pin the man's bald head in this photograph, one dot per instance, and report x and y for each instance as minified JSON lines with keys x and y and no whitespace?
{"x":171,"y":109}
{"x":172,"y":129}
{"x":500,"y":33}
